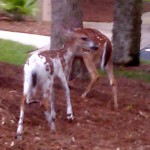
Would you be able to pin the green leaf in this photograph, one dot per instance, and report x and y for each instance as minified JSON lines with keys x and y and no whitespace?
{"x":19,"y":7}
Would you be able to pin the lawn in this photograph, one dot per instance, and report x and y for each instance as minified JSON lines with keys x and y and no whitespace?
{"x":133,"y":74}
{"x":14,"y":52}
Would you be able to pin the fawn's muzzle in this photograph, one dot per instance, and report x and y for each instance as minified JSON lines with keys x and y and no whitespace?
{"x":95,"y":47}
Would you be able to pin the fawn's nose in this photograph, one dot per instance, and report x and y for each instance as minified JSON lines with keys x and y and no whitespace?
{"x":95,"y":47}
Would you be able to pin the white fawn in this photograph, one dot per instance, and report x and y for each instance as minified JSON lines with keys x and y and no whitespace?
{"x":42,"y":67}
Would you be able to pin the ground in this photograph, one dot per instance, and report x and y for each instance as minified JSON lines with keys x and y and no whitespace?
{"x":97,"y":126}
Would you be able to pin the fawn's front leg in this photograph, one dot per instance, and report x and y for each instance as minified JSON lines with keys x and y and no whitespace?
{"x":67,"y":95}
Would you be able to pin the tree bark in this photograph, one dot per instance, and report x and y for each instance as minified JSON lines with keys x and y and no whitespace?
{"x":65,"y":14}
{"x":127,"y":32}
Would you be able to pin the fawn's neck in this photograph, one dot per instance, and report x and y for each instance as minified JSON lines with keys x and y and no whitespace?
{"x":71,"y":52}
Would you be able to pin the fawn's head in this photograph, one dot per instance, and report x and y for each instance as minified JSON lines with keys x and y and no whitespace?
{"x":80,"y":41}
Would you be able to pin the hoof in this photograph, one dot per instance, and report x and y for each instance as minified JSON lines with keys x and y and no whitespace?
{"x":19,"y":137}
{"x":116,"y":107}
{"x":83,"y":95}
{"x":53,"y":127}
{"x":33,"y":101}
{"x":70,"y":117}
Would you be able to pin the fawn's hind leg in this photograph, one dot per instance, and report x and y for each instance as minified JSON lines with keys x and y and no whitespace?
{"x":93,"y":73}
{"x":21,"y":118}
{"x":109,"y":70}
{"x":48,"y":102}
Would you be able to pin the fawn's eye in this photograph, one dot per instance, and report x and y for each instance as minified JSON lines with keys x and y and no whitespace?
{"x":84,"y":38}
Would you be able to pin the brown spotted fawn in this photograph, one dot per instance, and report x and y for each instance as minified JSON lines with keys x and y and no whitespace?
{"x":40,"y":70}
{"x":101,"y":58}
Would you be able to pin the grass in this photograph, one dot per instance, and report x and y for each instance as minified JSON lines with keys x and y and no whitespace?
{"x":145,"y":62}
{"x":133,"y":74}
{"x":14,"y":52}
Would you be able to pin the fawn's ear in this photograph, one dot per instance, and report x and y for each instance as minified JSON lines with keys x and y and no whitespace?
{"x":68,"y":33}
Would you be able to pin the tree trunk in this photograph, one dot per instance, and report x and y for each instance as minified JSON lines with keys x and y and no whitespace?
{"x":65,"y":14}
{"x":127,"y":32}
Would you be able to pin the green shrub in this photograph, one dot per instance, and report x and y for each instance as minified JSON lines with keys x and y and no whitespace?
{"x":18,"y":9}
